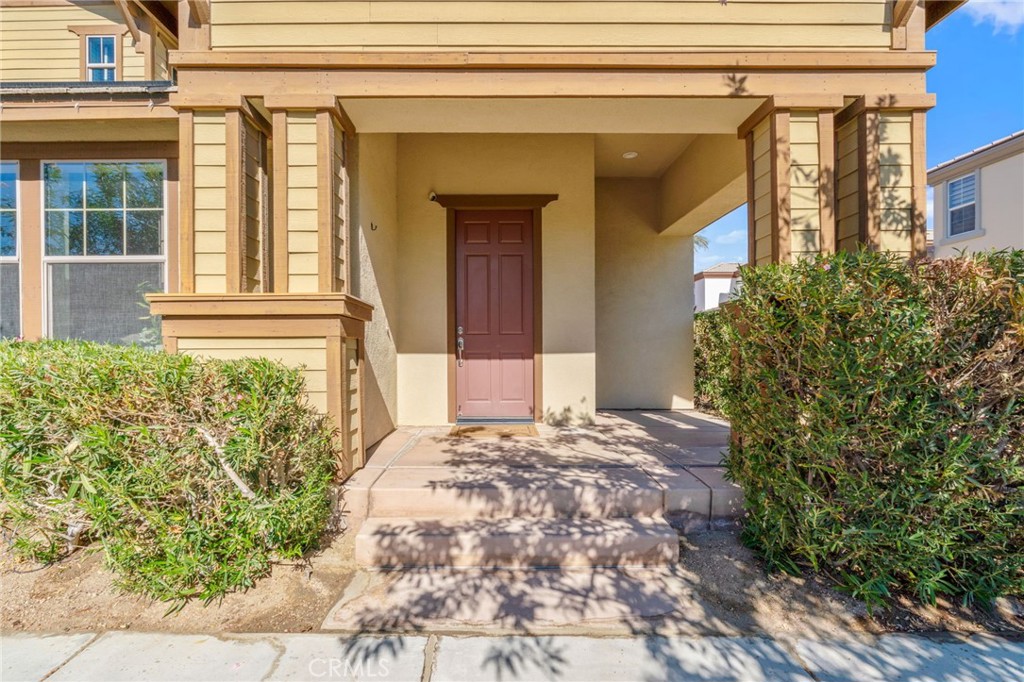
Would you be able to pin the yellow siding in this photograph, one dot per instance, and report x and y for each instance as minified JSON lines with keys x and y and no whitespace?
{"x":805,"y":192}
{"x":341,"y":209}
{"x":36,"y":45}
{"x":254,"y":163}
{"x":309,"y":353}
{"x":548,"y":25}
{"x":762,"y":193}
{"x":210,"y":197}
{"x":352,"y":428}
{"x":161,"y":64}
{"x":895,"y":181}
{"x":847,"y":192}
{"x":302,"y":202}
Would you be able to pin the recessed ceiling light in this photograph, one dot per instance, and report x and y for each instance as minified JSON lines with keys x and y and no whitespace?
{"x":630,"y":155}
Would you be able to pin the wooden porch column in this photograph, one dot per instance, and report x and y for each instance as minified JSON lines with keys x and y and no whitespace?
{"x":791,"y":176}
{"x":222,"y":143}
{"x":881,"y":178}
{"x":311,"y":218}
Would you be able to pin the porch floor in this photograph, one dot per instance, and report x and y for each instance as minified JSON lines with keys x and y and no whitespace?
{"x":629,"y":464}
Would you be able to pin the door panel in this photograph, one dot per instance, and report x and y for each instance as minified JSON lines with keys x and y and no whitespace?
{"x":494,"y":308}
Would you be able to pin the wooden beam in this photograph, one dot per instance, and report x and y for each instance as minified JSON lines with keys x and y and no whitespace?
{"x":311,"y":101}
{"x":751,"y":222}
{"x":280,"y":223}
{"x":510,"y":201}
{"x":200,"y":10}
{"x":700,"y":61}
{"x":901,"y":11}
{"x":159,"y":14}
{"x":782,"y":218}
{"x":827,"y":179}
{"x":919,"y":181}
{"x":234,"y":215}
{"x":186,"y":203}
{"x":325,"y":200}
{"x":129,"y":20}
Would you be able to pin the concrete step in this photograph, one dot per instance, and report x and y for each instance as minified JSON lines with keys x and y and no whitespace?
{"x":508,"y":492}
{"x":521,"y":542}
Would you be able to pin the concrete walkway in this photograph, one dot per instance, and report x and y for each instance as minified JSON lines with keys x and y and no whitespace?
{"x":113,"y":656}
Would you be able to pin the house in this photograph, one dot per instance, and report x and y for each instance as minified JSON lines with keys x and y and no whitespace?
{"x":979,"y":198}
{"x":714,"y":286}
{"x":443,"y":211}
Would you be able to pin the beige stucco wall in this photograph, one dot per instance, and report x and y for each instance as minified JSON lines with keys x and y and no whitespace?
{"x":644,"y":301}
{"x":375,"y":274}
{"x":496,"y":164}
{"x":1000,"y":213}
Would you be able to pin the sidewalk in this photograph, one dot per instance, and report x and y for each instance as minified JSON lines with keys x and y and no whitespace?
{"x":113,"y":656}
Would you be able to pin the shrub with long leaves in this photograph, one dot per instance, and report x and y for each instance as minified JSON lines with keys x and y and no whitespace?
{"x":193,"y":476}
{"x":880,"y":410}
{"x":712,"y":358}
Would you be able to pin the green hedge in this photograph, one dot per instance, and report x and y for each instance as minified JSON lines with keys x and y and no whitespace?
{"x":881,"y":411}
{"x":711,"y":360}
{"x":193,"y":476}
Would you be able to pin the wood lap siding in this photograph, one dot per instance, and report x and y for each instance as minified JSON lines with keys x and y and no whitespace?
{"x":254,"y":164}
{"x":762,"y":193}
{"x":352,"y":428}
{"x":36,"y":45}
{"x":302,"y":203}
{"x":895,"y":181}
{"x":309,"y":353}
{"x":210,"y":171}
{"x":805,"y":228}
{"x":549,"y":25}
{"x":847,"y":194}
{"x":341,"y":193}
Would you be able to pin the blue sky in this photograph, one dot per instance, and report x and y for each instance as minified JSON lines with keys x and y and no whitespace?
{"x":979,"y":85}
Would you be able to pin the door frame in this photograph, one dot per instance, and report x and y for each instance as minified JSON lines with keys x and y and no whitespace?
{"x":519,"y":202}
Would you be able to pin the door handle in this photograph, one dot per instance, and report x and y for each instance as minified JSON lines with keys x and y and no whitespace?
{"x":460,"y":345}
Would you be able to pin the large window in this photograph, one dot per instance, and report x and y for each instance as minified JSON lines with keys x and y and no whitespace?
{"x":104,"y":248}
{"x":10,"y":272}
{"x":101,"y":58}
{"x":963,"y":212}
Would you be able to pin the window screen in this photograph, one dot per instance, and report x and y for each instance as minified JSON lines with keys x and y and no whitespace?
{"x":10,"y":273}
{"x":104,"y":248}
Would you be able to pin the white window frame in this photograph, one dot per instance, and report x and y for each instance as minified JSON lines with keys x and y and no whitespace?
{"x":16,"y":258}
{"x":89,"y":66}
{"x":948,"y":236}
{"x":47,"y":317}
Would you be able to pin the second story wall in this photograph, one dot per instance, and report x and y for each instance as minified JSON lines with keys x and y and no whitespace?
{"x":549,"y":25}
{"x":43,"y":41}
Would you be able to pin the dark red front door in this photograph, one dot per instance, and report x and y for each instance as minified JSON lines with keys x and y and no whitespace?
{"x":494,"y":313}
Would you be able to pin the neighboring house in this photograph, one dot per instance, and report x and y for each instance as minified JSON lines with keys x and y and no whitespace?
{"x":714,"y":286}
{"x":979,"y":198}
{"x":442,"y":210}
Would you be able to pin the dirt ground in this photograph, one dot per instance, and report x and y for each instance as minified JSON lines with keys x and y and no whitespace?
{"x":78,"y":594}
{"x":724,"y":590}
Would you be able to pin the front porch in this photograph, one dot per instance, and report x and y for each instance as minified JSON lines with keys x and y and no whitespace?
{"x":613,"y":495}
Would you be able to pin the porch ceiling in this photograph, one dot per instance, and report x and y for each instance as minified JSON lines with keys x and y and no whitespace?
{"x":655,"y":153}
{"x":692,"y":116}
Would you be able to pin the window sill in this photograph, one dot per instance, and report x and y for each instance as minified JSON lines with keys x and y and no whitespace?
{"x":963,"y":237}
